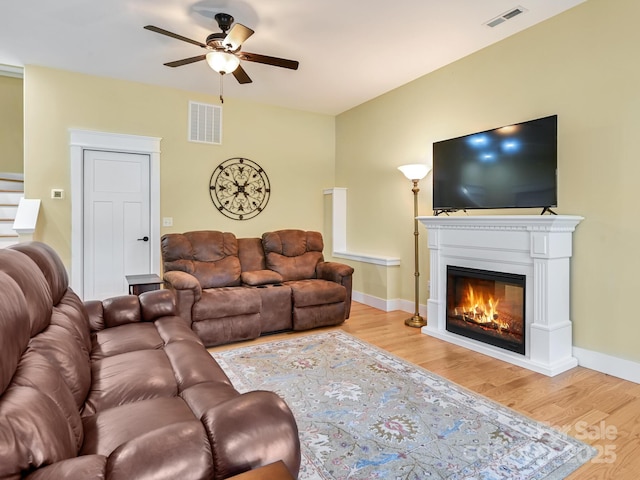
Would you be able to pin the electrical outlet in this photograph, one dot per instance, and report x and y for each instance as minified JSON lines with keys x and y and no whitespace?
{"x":57,"y":193}
{"x":167,"y":221}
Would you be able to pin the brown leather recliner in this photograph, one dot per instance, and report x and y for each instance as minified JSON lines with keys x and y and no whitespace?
{"x":119,"y":389}
{"x":232,"y":289}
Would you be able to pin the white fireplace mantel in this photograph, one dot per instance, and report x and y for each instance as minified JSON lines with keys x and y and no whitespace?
{"x":536,"y":246}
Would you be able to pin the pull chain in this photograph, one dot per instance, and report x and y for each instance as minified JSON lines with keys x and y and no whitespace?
{"x":221,"y":99}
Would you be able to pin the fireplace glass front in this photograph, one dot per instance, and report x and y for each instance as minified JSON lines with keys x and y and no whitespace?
{"x":487,"y":306}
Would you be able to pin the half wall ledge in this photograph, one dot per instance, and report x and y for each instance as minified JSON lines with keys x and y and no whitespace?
{"x":339,"y":229}
{"x":367,"y":258}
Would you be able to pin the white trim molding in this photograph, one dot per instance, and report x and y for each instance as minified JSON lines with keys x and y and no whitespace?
{"x":11,"y":71}
{"x":339,"y":227}
{"x":535,"y":246}
{"x":387,"y":305}
{"x":601,"y":362}
{"x":81,"y":140}
{"x":368,"y":258}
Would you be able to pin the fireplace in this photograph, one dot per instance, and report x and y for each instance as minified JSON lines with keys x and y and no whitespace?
{"x":487,"y":306}
{"x":529,"y":252}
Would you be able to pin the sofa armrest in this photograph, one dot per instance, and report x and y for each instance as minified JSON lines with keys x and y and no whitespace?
{"x":333,"y":271}
{"x":130,"y":309}
{"x":251,"y":431}
{"x":187,"y":290}
{"x":339,"y":273}
{"x":183,"y":281}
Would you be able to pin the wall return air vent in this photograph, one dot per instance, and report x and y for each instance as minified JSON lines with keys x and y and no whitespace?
{"x":205,"y":123}
{"x":508,"y":15}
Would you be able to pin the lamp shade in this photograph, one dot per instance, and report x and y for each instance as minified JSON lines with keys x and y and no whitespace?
{"x":415,"y":171}
{"x":222,"y":62}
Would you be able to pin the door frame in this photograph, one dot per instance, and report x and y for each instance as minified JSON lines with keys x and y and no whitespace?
{"x":81,"y":140}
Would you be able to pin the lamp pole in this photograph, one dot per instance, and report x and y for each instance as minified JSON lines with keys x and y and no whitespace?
{"x":415,"y":173}
{"x":416,"y":321}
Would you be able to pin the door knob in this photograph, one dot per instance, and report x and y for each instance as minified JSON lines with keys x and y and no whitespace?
{"x":144,"y":239}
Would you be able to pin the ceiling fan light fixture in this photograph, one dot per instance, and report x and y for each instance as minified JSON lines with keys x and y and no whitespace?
{"x":222,"y":62}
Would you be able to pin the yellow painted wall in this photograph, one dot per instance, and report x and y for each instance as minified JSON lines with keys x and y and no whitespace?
{"x":295,"y":148}
{"x":581,"y":65}
{"x":11,"y":124}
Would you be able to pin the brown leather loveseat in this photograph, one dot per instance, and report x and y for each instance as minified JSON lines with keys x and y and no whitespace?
{"x":231,"y":289}
{"x":119,"y":389}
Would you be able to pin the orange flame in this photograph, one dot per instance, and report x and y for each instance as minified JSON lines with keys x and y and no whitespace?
{"x":481,"y":308}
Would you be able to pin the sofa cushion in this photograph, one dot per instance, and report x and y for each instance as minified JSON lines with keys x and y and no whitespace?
{"x":307,"y":293}
{"x":261,"y":277}
{"x":14,"y":324}
{"x":39,"y":419}
{"x":200,"y":397}
{"x":107,"y":430}
{"x":251,"y":254}
{"x":80,"y":468}
{"x":125,"y":338}
{"x":219,"y":331}
{"x":194,"y":366}
{"x":50,"y":264}
{"x":37,"y":373}
{"x":128,"y":378}
{"x":71,"y":315}
{"x":226,"y":302}
{"x":180,"y":450}
{"x":34,"y":287}
{"x":210,"y":256}
{"x":67,"y":356}
{"x":294,"y":254}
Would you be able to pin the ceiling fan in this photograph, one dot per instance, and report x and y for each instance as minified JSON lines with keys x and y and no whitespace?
{"x":224,"y":53}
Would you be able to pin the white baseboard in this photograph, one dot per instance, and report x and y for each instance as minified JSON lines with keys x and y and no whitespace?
{"x":600,"y":362}
{"x":387,"y":305}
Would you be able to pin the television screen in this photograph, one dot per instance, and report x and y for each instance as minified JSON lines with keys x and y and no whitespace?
{"x":509,"y":167}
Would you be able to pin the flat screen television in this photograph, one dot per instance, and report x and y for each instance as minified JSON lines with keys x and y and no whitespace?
{"x":514,"y":166}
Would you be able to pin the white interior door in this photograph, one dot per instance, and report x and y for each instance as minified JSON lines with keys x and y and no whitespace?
{"x":116,"y":221}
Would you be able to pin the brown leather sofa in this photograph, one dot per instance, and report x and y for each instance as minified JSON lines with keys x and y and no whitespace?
{"x":119,"y":389}
{"x":231,"y":289}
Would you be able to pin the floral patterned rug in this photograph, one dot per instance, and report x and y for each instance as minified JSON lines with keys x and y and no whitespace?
{"x":366,"y":414}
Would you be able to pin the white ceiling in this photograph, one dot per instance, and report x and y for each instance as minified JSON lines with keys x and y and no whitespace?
{"x":349,"y":50}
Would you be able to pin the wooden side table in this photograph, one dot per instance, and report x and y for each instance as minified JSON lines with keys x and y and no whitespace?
{"x":273,"y":471}
{"x":143,"y":283}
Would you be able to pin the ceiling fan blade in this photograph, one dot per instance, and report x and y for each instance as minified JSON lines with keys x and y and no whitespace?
{"x":241,"y":75}
{"x":237,"y":35}
{"x":162,"y":31}
{"x":185,"y":61}
{"x":276,"y":62}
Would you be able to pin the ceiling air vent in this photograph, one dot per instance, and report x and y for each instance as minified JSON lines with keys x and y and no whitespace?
{"x":205,"y":123}
{"x":514,"y":12}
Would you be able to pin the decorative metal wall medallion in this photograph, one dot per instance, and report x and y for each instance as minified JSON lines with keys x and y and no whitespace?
{"x":239,"y":188}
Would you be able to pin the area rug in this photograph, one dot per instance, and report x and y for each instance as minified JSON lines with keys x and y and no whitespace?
{"x":366,"y":414}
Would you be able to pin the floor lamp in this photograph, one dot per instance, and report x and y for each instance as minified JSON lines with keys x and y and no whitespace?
{"x":415,"y":172}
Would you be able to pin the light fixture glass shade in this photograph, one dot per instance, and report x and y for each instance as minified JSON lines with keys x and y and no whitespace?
{"x":222,"y":62}
{"x":415,"y":171}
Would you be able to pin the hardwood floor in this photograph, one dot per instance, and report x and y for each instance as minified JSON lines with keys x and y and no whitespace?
{"x":599,"y":409}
